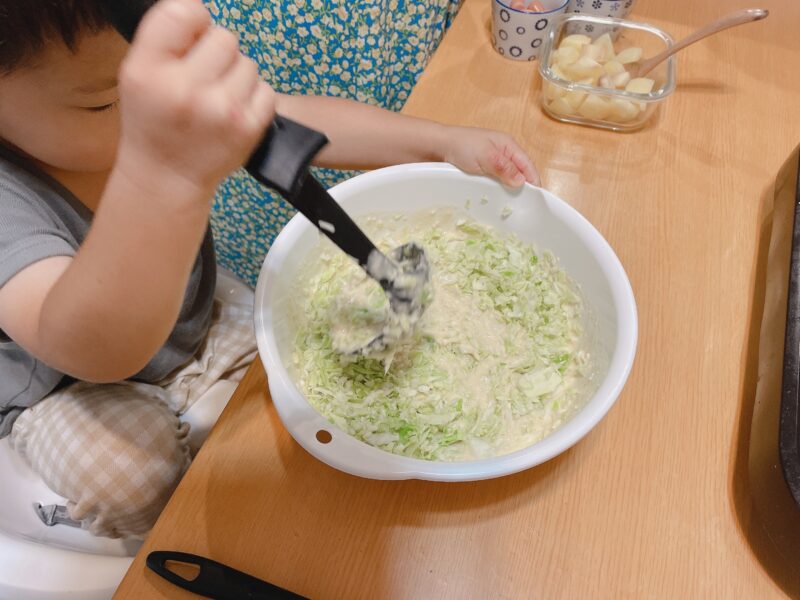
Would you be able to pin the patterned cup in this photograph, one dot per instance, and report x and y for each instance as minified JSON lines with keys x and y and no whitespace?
{"x":619,"y":9}
{"x":518,"y":34}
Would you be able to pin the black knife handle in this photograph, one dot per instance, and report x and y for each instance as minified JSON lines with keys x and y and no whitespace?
{"x":283,"y":156}
{"x":216,"y":580}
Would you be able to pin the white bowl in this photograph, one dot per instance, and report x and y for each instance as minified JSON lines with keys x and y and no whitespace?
{"x":538,"y":217}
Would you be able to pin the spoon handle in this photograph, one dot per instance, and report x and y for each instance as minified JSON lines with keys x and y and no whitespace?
{"x":733,"y":19}
{"x":281,"y":162}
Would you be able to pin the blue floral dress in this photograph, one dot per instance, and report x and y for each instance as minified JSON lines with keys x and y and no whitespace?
{"x":369,"y":50}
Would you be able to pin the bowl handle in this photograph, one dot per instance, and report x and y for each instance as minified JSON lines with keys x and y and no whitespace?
{"x":333,"y":446}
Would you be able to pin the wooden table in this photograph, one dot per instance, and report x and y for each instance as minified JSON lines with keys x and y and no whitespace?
{"x":651,"y":503}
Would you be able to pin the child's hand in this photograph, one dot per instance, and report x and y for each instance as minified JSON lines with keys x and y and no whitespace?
{"x":192,"y":106}
{"x":487,"y":152}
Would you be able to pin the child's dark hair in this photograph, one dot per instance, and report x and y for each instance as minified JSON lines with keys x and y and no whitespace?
{"x":26,"y":26}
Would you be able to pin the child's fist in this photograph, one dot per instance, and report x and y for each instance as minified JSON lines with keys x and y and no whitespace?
{"x":192,"y":106}
{"x":487,"y":152}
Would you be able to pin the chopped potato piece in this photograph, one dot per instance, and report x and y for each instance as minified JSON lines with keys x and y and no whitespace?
{"x":623,"y":111}
{"x":613,"y":67}
{"x":606,"y":45}
{"x":551,"y":92}
{"x":629,"y":55}
{"x":566,"y":56}
{"x":595,"y":107}
{"x":606,"y":82}
{"x":640,"y":85}
{"x":558,"y":72}
{"x":584,"y":67}
{"x":575,"y":98}
{"x":596,"y":53}
{"x":561,"y":106}
{"x":576,"y":40}
{"x":620,"y":80}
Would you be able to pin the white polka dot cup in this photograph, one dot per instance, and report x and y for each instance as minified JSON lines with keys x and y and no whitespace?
{"x":519,"y":34}
{"x":617,"y":9}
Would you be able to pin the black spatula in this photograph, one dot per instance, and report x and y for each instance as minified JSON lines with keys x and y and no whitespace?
{"x":215,"y":580}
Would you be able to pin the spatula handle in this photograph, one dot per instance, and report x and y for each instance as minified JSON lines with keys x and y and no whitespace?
{"x":282,"y":159}
{"x":215,"y":580}
{"x":281,"y":162}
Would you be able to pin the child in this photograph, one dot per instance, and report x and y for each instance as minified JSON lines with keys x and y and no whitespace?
{"x":109,"y":158}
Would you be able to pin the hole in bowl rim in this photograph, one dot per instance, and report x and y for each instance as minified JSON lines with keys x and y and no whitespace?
{"x":375,"y":463}
{"x":547,"y":48}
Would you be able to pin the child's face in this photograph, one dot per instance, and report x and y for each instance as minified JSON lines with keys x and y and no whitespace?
{"x":62,"y":109}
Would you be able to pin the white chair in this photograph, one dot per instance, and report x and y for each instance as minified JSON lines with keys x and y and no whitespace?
{"x":38,"y":562}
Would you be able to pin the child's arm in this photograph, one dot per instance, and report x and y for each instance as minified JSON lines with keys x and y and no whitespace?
{"x":366,"y":136}
{"x":192,"y":109}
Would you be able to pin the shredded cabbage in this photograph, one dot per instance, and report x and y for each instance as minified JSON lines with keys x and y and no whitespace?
{"x":498,"y":360}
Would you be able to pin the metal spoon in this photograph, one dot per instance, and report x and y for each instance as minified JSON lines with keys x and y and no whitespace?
{"x":733,"y":19}
{"x":281,"y":161}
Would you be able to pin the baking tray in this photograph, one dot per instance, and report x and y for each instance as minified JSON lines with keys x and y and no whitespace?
{"x":789,"y":435}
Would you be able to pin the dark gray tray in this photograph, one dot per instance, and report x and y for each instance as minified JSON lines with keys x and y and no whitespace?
{"x":789,"y":440}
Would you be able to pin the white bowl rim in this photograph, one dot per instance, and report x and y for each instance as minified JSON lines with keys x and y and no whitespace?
{"x":358,"y":458}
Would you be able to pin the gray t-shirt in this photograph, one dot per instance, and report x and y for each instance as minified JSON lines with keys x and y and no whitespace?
{"x":39,"y":218}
